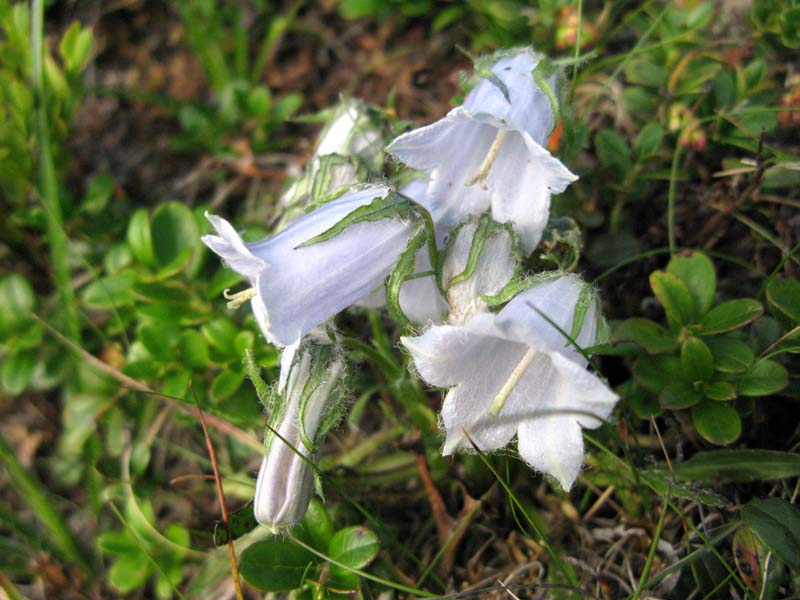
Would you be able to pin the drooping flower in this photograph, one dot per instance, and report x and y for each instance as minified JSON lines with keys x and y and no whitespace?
{"x":296,"y":287}
{"x":489,"y":154}
{"x":307,"y":404}
{"x":514,"y":372}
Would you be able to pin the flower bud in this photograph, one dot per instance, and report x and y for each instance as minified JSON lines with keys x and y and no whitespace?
{"x":308,"y":403}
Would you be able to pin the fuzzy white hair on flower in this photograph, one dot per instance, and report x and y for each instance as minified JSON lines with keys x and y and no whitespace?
{"x":489,"y":154}
{"x":298,"y":284}
{"x":517,"y":373}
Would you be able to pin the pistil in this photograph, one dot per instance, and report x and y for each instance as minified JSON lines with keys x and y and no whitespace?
{"x":500,"y":399}
{"x":239,"y":298}
{"x":488,"y":161}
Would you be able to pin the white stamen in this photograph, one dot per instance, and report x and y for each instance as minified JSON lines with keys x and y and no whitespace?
{"x":500,"y":399}
{"x":239,"y":298}
{"x":486,"y":165}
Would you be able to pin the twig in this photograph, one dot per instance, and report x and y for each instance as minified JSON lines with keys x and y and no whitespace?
{"x":223,"y":507}
{"x":139,"y":386}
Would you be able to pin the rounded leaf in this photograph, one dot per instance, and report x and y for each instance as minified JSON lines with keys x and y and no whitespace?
{"x":719,"y":390}
{"x":355,"y":546}
{"x":645,"y":333}
{"x":783,"y":296}
{"x":717,"y":422}
{"x":174,"y":230}
{"x":730,"y":355}
{"x":275,"y":565}
{"x":139,"y":238}
{"x":17,"y":299}
{"x":696,"y":360}
{"x":679,"y":394}
{"x":674,"y":296}
{"x":654,"y":373}
{"x":730,"y":315}
{"x":697,"y":272}
{"x":764,"y":378}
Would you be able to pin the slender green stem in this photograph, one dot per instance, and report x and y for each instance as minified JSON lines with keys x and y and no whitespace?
{"x":653,"y":547}
{"x":673,"y":180}
{"x":578,"y":34}
{"x":32,"y":491}
{"x":48,"y":185}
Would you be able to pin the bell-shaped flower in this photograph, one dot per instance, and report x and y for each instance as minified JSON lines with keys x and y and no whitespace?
{"x":517,"y":373}
{"x":481,"y":258}
{"x":308,"y":402}
{"x":299,"y":282}
{"x":489,"y":154}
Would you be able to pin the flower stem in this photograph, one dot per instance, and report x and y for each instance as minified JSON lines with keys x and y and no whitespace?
{"x":500,"y":399}
{"x":48,"y":186}
{"x":486,"y":165}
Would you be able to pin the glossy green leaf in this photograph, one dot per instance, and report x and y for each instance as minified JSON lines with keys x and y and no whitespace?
{"x":649,"y":139}
{"x":765,"y":377}
{"x":221,"y":334}
{"x":240,"y":521}
{"x":717,"y":422}
{"x":275,"y":565}
{"x":645,"y":333}
{"x":719,"y":390}
{"x":139,"y":238}
{"x":679,"y":394}
{"x":194,"y":349}
{"x":17,"y":300}
{"x":697,"y":272}
{"x":730,"y":315}
{"x":110,"y":292}
{"x":696,"y":360}
{"x":654,"y":373}
{"x":317,"y":526}
{"x":354,"y":546}
{"x":674,"y":296}
{"x":776,"y":523}
{"x":730,"y":355}
{"x":175,"y":231}
{"x":98,"y":194}
{"x":157,"y":343}
{"x":75,"y":46}
{"x":226,"y":383}
{"x":129,"y":572}
{"x":17,"y":370}
{"x":729,"y":466}
{"x":783,"y":296}
{"x":643,"y":403}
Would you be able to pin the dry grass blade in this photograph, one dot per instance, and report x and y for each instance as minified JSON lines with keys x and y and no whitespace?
{"x":221,"y":492}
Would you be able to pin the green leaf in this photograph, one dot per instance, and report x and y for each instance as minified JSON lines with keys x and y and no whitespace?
{"x":17,"y":300}
{"x":719,"y":390}
{"x":730,"y":315}
{"x":74,"y":47}
{"x":738,"y":466}
{"x":717,"y":422}
{"x":129,"y":572}
{"x":776,"y":523}
{"x":221,"y":334}
{"x":275,"y":565}
{"x":613,"y":151}
{"x":646,"y":333}
{"x":764,"y":378}
{"x":404,"y":268}
{"x":317,"y":526}
{"x":783,"y":296}
{"x":730,"y":355}
{"x":697,"y":272}
{"x":354,"y":546}
{"x":174,"y":230}
{"x":643,"y":403}
{"x":674,"y":296}
{"x":17,"y":371}
{"x":679,"y":394}
{"x":157,"y":343}
{"x":240,"y":521}
{"x":649,"y":139}
{"x":654,"y":373}
{"x":226,"y":383}
{"x":696,"y":360}
{"x":109,"y":292}
{"x":98,"y":193}
{"x":139,"y":238}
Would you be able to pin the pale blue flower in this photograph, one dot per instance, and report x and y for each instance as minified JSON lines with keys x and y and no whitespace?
{"x":294,"y":288}
{"x":489,"y":154}
{"x":514,"y":373}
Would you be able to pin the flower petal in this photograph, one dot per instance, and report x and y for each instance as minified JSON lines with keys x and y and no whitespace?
{"x":527,"y":107}
{"x":230,"y":247}
{"x":550,"y":439}
{"x":445,"y":355}
{"x":420,"y":299}
{"x":521,"y":181}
